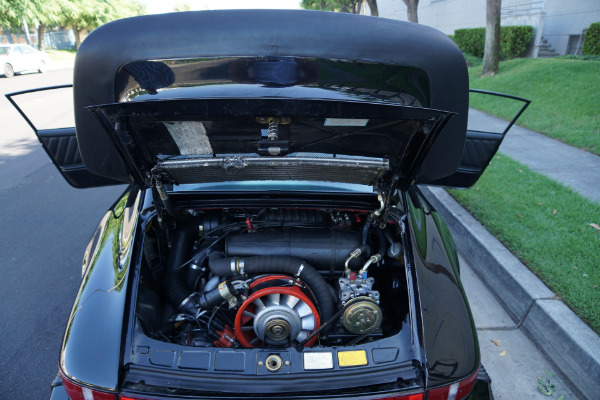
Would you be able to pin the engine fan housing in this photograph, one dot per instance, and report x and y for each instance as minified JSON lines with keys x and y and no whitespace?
{"x":276,"y":313}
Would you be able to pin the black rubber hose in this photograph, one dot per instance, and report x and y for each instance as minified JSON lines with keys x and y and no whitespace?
{"x":382,"y":242}
{"x":365,"y":232}
{"x":175,"y":282}
{"x":221,"y":266}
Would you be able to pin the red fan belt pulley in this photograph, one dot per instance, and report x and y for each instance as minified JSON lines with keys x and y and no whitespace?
{"x":276,"y":313}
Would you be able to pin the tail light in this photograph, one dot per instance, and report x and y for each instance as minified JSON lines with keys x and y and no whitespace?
{"x":457,"y":391}
{"x":78,"y":392}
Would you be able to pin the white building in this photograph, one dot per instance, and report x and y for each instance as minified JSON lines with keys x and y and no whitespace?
{"x":558,"y":24}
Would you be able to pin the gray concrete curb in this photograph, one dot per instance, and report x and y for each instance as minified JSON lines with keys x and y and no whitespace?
{"x":564,"y":338}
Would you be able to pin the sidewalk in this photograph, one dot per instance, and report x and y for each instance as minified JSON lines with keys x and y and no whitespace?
{"x":510,"y":358}
{"x":561,"y":162}
{"x":571,"y":346}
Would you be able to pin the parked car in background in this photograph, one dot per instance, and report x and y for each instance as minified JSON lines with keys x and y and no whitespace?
{"x":17,"y":58}
{"x":273,"y":241}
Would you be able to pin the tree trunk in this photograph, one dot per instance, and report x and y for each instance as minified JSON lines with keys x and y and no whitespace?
{"x":77,"y":33}
{"x":26,"y":30}
{"x":373,"y":7}
{"x":411,"y":9}
{"x":9,"y":35}
{"x":40,"y":33}
{"x":492,"y":38}
{"x":358,"y":7}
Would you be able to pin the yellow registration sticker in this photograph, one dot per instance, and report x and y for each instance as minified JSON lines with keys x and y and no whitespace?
{"x":352,"y":358}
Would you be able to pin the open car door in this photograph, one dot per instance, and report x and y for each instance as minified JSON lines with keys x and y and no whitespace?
{"x":481,"y":144}
{"x":60,"y":143}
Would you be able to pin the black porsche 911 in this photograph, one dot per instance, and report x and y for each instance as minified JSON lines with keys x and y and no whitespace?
{"x":272,"y":242}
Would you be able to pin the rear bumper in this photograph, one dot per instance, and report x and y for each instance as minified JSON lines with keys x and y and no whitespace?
{"x":481,"y":391}
{"x":483,"y":387}
{"x":58,"y":390}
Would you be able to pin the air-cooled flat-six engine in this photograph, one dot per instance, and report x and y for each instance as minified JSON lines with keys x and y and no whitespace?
{"x":273,"y":278}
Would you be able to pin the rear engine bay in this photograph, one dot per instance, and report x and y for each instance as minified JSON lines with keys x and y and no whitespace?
{"x":273,"y":279}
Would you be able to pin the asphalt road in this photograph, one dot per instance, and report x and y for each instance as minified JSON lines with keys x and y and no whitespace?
{"x":45,"y":226}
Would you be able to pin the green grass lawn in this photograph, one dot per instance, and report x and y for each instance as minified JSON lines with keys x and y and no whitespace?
{"x":547,"y":226}
{"x":472,"y":61}
{"x":565,"y":97}
{"x":61,"y":55}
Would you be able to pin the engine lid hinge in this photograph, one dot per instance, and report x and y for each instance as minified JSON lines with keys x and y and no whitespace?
{"x":380,"y":215}
{"x":159,"y":179}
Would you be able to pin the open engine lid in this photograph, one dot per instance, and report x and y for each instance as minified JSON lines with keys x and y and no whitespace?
{"x":351,"y":86}
{"x":235,"y":139}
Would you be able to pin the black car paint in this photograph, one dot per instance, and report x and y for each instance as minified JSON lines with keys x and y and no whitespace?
{"x":269,"y":34}
{"x":449,"y":335}
{"x":283,"y":77}
{"x":97,"y":348}
{"x":91,"y":350}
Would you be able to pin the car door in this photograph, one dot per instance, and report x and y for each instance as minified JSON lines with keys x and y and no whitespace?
{"x":16,"y":58}
{"x":60,"y":143}
{"x":29,"y":59}
{"x":481,"y":144}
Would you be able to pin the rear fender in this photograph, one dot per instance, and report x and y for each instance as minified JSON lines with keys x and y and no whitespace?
{"x":91,"y":351}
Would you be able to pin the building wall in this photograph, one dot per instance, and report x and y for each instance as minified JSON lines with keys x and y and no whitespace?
{"x":565,"y":18}
{"x":554,"y":20}
{"x":444,"y":15}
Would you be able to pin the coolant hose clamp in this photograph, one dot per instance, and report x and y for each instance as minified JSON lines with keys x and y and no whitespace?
{"x":237,"y":266}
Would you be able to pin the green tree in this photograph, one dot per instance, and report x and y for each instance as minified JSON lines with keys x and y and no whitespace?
{"x":12,"y":13}
{"x":182,"y":7}
{"x":40,"y":13}
{"x":347,"y":6}
{"x":89,"y":14}
{"x":43,"y":13}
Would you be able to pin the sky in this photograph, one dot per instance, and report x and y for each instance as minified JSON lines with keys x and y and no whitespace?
{"x":162,"y":6}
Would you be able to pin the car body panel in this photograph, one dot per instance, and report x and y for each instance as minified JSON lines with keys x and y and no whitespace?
{"x":450,"y":338}
{"x":451,"y":354}
{"x":480,"y":147}
{"x":91,"y":350}
{"x":282,"y":77}
{"x":290,"y":34}
{"x":195,"y":141}
{"x":152,"y":365}
{"x":60,"y":144}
